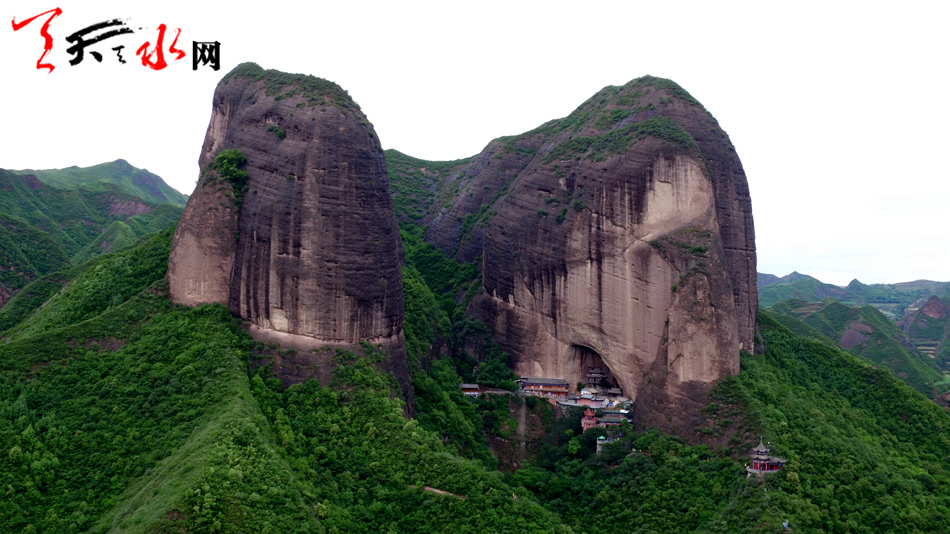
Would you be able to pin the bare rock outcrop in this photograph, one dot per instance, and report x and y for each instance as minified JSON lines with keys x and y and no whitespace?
{"x":619,"y":237}
{"x":308,"y":251}
{"x":934,"y":308}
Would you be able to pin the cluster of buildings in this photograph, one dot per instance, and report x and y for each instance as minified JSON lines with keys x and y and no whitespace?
{"x":610,"y":418}
{"x":596,"y":394}
{"x":558,"y":391}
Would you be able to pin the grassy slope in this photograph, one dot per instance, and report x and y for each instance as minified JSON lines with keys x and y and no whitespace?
{"x":111,"y":176}
{"x":36,"y":206}
{"x":115,"y":237}
{"x":805,"y":288}
{"x":102,"y":284}
{"x":884,"y":346}
{"x":866,"y":454}
{"x":26,"y":254}
{"x":143,"y":418}
{"x":75,"y":218}
{"x":891,"y":299}
{"x":415,"y":183}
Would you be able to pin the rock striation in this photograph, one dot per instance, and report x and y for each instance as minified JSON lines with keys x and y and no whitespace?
{"x":619,"y":237}
{"x":308,"y":250}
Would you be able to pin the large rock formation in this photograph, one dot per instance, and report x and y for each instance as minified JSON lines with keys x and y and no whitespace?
{"x":310,"y":253}
{"x":619,"y":237}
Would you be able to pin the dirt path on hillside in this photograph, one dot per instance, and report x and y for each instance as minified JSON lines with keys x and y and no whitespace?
{"x":435,"y":490}
{"x":522,"y":430}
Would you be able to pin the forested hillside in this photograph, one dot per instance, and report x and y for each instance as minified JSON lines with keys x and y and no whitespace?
{"x":121,"y":412}
{"x":111,"y":176}
{"x":867,"y":333}
{"x":893,"y":300}
{"x":48,"y":226}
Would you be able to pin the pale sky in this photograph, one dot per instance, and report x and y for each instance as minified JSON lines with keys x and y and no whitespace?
{"x":835,"y":109}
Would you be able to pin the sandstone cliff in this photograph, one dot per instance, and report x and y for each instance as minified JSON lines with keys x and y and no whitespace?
{"x":619,"y":237}
{"x":308,"y":251}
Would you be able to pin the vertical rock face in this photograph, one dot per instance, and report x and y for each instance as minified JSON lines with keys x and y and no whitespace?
{"x":311,"y":254}
{"x":618,"y":237}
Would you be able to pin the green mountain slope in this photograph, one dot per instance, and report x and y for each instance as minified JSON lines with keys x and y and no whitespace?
{"x":41,"y":226}
{"x":117,"y":175}
{"x":130,"y":414}
{"x":804,"y":287}
{"x":894,"y":300}
{"x":102,"y":284}
{"x":144,"y":418}
{"x":121,"y":234}
{"x":867,"y":333}
{"x":415,"y":183}
{"x":25,"y":254}
{"x":866,"y":454}
{"x":928,"y":327}
{"x":76,"y":217}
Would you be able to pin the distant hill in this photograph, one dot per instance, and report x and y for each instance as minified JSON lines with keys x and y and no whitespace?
{"x":797,"y":286}
{"x":117,"y":175}
{"x":45,"y":228}
{"x":893,"y":300}
{"x":867,"y":333}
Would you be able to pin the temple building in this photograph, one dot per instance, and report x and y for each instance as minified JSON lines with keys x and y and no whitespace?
{"x":763,"y":462}
{"x":594,"y":376}
{"x":553,"y":388}
{"x":614,"y":418}
{"x":611,"y":419}
{"x":589,"y":421}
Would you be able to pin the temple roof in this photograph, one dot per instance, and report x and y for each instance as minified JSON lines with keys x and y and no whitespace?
{"x":544,"y":380}
{"x":761,"y":448}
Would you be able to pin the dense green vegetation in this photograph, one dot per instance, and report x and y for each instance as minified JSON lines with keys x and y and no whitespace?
{"x":88,"y":212}
{"x":435,"y":317}
{"x":193,"y":441}
{"x":890,"y":299}
{"x":26,"y":254}
{"x":117,"y":175}
{"x":137,"y":415}
{"x":866,"y":454}
{"x":619,"y":140}
{"x":31,"y":297}
{"x":315,"y":91}
{"x":414,"y":183}
{"x":867,"y":333}
{"x":122,"y":412}
{"x":228,"y":165}
{"x":103,"y":284}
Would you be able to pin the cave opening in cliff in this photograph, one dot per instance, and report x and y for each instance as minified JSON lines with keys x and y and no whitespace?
{"x":594,"y":372}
